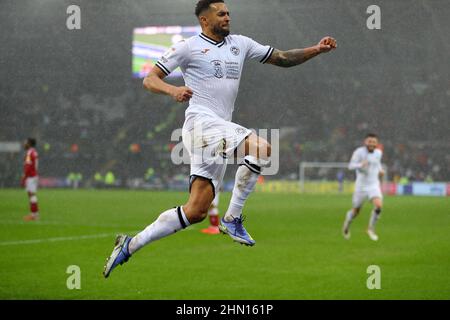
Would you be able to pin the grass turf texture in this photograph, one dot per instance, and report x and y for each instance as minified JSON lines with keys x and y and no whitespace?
{"x":299,"y":252}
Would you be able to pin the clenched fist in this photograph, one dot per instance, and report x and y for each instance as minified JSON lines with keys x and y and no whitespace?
{"x":326,"y":44}
{"x":182,"y":94}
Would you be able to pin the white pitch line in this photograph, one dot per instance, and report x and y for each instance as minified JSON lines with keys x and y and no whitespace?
{"x":83,"y":237}
{"x":63,"y":223}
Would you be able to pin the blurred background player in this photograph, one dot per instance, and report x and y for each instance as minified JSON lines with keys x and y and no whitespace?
{"x":340,"y":176}
{"x":214,"y":217}
{"x":30,"y":178}
{"x":366,"y":160}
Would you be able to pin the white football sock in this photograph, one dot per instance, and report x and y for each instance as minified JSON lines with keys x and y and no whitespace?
{"x":373,"y":218}
{"x":349,"y":217}
{"x":168,"y":222}
{"x":214,"y":211}
{"x":246,"y":176}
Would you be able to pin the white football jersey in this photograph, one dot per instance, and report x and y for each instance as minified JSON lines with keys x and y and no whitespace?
{"x":366,"y":178}
{"x":213,"y":70}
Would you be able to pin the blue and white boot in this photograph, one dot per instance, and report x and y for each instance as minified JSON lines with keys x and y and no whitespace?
{"x":120,"y":254}
{"x":235,"y":229}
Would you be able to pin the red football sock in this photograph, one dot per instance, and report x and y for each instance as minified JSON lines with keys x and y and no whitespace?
{"x":33,"y":204}
{"x":214,"y":220}
{"x":34,"y":207}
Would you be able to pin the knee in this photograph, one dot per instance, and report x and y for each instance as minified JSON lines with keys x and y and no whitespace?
{"x":268,"y":147}
{"x":264,"y":150}
{"x":258,"y":147}
{"x":377,"y":206}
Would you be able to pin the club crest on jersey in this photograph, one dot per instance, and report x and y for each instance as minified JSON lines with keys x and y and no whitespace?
{"x":218,"y":68}
{"x":240,"y":131}
{"x":235,"y":50}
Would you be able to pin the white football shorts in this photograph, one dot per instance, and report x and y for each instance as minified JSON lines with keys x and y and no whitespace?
{"x":360,"y":196}
{"x":215,"y":202}
{"x":31,"y":184}
{"x":210,"y":141}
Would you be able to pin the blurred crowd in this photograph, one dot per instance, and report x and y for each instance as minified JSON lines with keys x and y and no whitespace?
{"x":128,"y":135}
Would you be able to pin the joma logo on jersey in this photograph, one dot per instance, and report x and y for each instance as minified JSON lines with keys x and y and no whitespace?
{"x":218,"y":68}
{"x":235,"y":50}
{"x":204,"y":51}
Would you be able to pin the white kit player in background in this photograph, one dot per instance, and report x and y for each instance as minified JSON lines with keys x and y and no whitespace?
{"x":211,"y":64}
{"x":366,"y":160}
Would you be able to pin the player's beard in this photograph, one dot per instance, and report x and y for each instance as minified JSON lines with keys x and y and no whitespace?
{"x":220,"y":31}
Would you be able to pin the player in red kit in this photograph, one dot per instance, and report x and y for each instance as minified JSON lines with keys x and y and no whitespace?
{"x":30,"y":178}
{"x":214,"y":217}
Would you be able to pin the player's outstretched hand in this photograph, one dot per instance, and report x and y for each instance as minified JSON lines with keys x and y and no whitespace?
{"x":22,"y":182}
{"x":182,"y":94}
{"x":327,"y":44}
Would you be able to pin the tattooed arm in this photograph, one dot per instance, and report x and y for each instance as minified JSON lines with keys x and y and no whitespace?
{"x":295,"y":57}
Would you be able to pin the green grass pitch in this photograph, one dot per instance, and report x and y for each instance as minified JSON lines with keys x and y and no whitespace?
{"x":299,"y":251}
